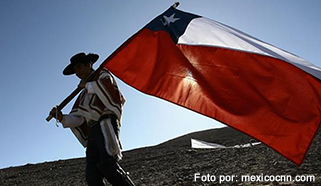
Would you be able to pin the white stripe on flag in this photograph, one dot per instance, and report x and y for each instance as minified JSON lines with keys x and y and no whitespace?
{"x":207,"y":32}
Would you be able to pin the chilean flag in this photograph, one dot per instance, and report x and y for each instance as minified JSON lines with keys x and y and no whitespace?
{"x":223,"y":73}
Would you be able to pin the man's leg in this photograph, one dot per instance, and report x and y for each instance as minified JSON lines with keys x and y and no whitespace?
{"x":93,"y":175}
{"x":108,"y":164}
{"x":115,"y":175}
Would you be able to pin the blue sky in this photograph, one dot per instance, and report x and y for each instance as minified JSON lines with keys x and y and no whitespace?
{"x":37,"y":39}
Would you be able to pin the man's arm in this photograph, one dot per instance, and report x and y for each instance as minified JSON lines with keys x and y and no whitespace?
{"x":67,"y":120}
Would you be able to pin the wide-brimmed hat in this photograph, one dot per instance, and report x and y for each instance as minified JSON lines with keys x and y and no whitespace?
{"x":79,"y":58}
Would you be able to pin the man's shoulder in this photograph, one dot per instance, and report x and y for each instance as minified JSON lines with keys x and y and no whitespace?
{"x":102,"y":73}
{"x":104,"y":70}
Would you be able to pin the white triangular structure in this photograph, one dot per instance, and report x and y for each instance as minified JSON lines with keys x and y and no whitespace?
{"x":199,"y":144}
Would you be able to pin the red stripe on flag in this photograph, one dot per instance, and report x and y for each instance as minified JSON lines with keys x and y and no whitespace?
{"x":266,"y":98}
{"x":271,"y":100}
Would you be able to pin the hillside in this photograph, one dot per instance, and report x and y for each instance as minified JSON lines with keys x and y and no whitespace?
{"x":174,"y":163}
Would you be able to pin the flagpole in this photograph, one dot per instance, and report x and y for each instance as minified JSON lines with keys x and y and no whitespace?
{"x":77,"y":90}
{"x":175,"y":5}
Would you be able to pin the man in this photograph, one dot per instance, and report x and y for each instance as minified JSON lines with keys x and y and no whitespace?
{"x":95,"y":121}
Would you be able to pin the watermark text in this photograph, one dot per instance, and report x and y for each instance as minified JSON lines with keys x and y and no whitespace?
{"x":198,"y":177}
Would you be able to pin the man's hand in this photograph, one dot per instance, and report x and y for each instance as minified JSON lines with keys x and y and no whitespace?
{"x":56,"y":115}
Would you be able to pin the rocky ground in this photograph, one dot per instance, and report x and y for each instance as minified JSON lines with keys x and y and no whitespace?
{"x":174,"y":163}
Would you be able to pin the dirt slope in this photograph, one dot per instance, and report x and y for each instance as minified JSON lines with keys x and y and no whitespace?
{"x":174,"y":163}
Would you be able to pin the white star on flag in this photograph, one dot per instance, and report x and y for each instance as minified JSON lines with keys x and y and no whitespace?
{"x":170,"y":19}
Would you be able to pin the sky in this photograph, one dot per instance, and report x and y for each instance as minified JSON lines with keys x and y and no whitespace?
{"x":38,"y":37}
